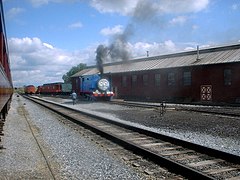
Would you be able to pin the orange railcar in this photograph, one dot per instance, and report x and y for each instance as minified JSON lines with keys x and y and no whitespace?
{"x":30,"y":89}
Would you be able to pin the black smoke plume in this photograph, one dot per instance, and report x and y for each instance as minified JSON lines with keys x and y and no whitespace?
{"x":118,"y":50}
{"x":102,"y":53}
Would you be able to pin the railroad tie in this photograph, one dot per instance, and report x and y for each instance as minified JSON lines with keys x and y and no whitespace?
{"x":187,"y":157}
{"x":155,"y":144}
{"x":234,"y":178}
{"x":204,"y":163}
{"x":1,"y":132}
{"x":1,"y":128}
{"x":169,"y":148}
{"x":216,"y":171}
{"x":171,"y":153}
{"x":139,"y":138}
{"x":124,"y":134}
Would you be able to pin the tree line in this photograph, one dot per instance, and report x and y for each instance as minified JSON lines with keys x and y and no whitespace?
{"x":67,"y":77}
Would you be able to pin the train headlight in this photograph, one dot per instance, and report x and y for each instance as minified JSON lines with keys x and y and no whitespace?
{"x":103,"y":84}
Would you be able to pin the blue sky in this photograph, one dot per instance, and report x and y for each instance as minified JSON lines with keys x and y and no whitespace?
{"x":48,"y":37}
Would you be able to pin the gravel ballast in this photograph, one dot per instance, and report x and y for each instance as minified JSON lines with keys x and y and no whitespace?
{"x":69,"y":155}
{"x":215,"y":131}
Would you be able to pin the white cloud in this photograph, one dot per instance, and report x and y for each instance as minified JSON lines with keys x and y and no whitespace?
{"x":195,"y":27}
{"x":36,"y":62}
{"x":189,"y":49}
{"x":178,"y":20}
{"x":38,"y":3}
{"x":170,"y":45}
{"x":186,"y":6}
{"x":108,"y":6}
{"x":48,"y":45}
{"x":13,"y":12}
{"x":193,"y":46}
{"x":140,"y":49}
{"x":205,"y":46}
{"x":75,"y":25}
{"x":126,"y":7}
{"x":25,"y":44}
{"x":235,"y":6}
{"x":112,"y":31}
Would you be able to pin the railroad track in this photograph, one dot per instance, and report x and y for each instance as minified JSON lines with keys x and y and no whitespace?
{"x":187,"y":159}
{"x":162,"y":107}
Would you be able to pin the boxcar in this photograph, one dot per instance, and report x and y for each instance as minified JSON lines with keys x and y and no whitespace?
{"x":66,"y":88}
{"x":57,"y":88}
{"x":51,"y":88}
{"x":6,"y":87}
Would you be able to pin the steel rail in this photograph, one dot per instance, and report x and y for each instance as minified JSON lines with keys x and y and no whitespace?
{"x":168,"y":163}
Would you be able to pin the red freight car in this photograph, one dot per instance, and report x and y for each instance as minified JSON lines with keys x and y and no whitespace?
{"x":51,"y":88}
{"x":6,"y":88}
{"x":55,"y":89}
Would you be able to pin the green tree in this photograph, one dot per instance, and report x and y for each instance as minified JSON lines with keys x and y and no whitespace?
{"x":67,"y":77}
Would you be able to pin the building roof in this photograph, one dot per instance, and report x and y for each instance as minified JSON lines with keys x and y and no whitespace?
{"x":215,"y":55}
{"x":82,"y":72}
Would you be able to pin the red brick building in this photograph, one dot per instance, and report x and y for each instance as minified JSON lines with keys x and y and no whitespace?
{"x":207,"y":75}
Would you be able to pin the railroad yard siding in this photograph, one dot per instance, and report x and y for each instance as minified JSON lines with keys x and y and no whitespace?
{"x":215,"y":131}
{"x":69,"y":155}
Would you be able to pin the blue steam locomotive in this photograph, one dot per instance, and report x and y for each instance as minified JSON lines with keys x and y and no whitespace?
{"x":96,"y":87}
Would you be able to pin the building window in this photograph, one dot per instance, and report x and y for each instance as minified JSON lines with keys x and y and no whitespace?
{"x":145,"y":79}
{"x":187,"y":78}
{"x":134,"y":79}
{"x":124,"y":81}
{"x":227,"y":77}
{"x":157,"y":79}
{"x":171,"y":79}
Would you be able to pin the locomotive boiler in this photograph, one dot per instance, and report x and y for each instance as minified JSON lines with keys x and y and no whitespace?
{"x":96,"y":87}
